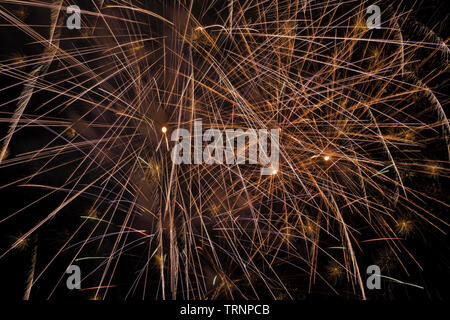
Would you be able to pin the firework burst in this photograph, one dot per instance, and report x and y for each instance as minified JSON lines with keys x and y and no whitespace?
{"x":356,"y":109}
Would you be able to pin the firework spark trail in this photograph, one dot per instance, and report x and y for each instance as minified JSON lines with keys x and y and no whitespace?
{"x":335,"y":90}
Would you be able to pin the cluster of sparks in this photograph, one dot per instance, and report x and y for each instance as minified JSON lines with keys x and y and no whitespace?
{"x":352,"y":113}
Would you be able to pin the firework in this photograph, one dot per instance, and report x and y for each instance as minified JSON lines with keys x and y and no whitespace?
{"x":356,"y":110}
